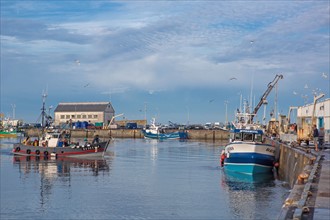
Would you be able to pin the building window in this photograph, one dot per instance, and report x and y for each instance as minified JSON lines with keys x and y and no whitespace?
{"x":95,"y":116}
{"x":67,"y":116}
{"x":83,"y":116}
{"x":89,"y":116}
{"x":78,"y":116}
{"x":62,"y":116}
{"x":73,"y":116}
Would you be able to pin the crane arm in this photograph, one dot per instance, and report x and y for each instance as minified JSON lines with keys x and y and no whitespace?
{"x":264,"y":96}
{"x":113,"y":117}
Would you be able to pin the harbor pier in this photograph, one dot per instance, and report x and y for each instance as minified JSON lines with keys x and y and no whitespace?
{"x":207,"y":135}
{"x":308,"y":173}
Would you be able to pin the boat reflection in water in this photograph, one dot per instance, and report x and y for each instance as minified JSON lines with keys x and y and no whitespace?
{"x":60,"y":166}
{"x":236,"y":177}
{"x":248,"y":194}
{"x":64,"y":172}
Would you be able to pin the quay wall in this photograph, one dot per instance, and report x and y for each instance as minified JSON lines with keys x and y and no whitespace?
{"x":207,"y":135}
{"x":293,"y":161}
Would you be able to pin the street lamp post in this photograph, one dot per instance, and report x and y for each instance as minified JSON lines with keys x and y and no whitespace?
{"x":14,"y":107}
{"x":226,"y":104}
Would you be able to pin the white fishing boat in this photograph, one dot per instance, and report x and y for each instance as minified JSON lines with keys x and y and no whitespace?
{"x":247,"y":151}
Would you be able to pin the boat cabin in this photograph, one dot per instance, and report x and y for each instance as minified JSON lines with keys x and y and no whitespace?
{"x":246,"y":135}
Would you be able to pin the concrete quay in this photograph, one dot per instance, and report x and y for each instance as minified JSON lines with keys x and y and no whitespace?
{"x":207,"y":135}
{"x":310,"y":196}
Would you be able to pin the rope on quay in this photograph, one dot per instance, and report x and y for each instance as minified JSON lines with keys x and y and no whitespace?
{"x":301,"y":206}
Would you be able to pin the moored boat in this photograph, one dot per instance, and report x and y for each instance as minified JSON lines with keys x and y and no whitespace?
{"x":155,"y":132}
{"x":8,"y":133}
{"x":247,"y":153}
{"x":58,"y":144}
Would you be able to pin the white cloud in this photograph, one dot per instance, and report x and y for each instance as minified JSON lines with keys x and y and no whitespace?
{"x":168,"y":45}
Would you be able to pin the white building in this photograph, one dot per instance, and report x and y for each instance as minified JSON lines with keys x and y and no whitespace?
{"x":92,"y":112}
{"x":322,"y":116}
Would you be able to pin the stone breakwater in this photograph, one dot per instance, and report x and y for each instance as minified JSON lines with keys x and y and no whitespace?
{"x":208,"y":135}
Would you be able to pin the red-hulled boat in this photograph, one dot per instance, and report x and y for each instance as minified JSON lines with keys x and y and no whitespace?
{"x":58,"y":144}
{"x":55,"y":145}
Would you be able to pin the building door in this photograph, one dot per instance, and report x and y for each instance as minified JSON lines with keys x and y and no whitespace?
{"x":321,"y":122}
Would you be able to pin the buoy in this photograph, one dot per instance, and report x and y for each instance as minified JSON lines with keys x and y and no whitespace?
{"x":222,"y":158}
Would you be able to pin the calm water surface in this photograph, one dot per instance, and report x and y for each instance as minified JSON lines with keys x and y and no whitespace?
{"x":137,"y":179}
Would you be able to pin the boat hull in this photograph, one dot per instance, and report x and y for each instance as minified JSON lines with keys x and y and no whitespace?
{"x":4,"y":134}
{"x":163,"y":136}
{"x":249,"y":158}
{"x":75,"y":151}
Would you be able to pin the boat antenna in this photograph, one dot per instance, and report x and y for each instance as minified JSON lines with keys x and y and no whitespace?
{"x":43,"y":111}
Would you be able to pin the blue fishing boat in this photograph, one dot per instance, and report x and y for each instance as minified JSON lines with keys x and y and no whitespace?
{"x":247,"y":153}
{"x":155,"y":132}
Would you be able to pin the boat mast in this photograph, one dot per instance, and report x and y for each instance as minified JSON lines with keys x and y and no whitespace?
{"x":43,"y":113}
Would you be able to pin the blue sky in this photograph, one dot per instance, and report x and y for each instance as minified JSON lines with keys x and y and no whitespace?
{"x":174,"y":57}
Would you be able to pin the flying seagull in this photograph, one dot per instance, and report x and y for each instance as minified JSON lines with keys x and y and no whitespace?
{"x":295,"y":93}
{"x":212,"y":100}
{"x":233,"y":78}
{"x":77,"y":62}
{"x":306,"y":86}
{"x":324,"y":75}
{"x":86,"y":85}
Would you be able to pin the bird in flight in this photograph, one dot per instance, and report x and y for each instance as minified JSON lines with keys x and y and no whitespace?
{"x":324,"y":75}
{"x":295,"y":93}
{"x":233,"y":78}
{"x":77,"y":62}
{"x":212,"y":100}
{"x":86,"y":85}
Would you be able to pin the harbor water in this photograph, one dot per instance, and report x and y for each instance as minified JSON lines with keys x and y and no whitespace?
{"x":136,"y":179}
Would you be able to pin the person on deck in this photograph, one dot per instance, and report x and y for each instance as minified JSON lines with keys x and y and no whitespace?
{"x":321,"y":138}
{"x":315,"y":136}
